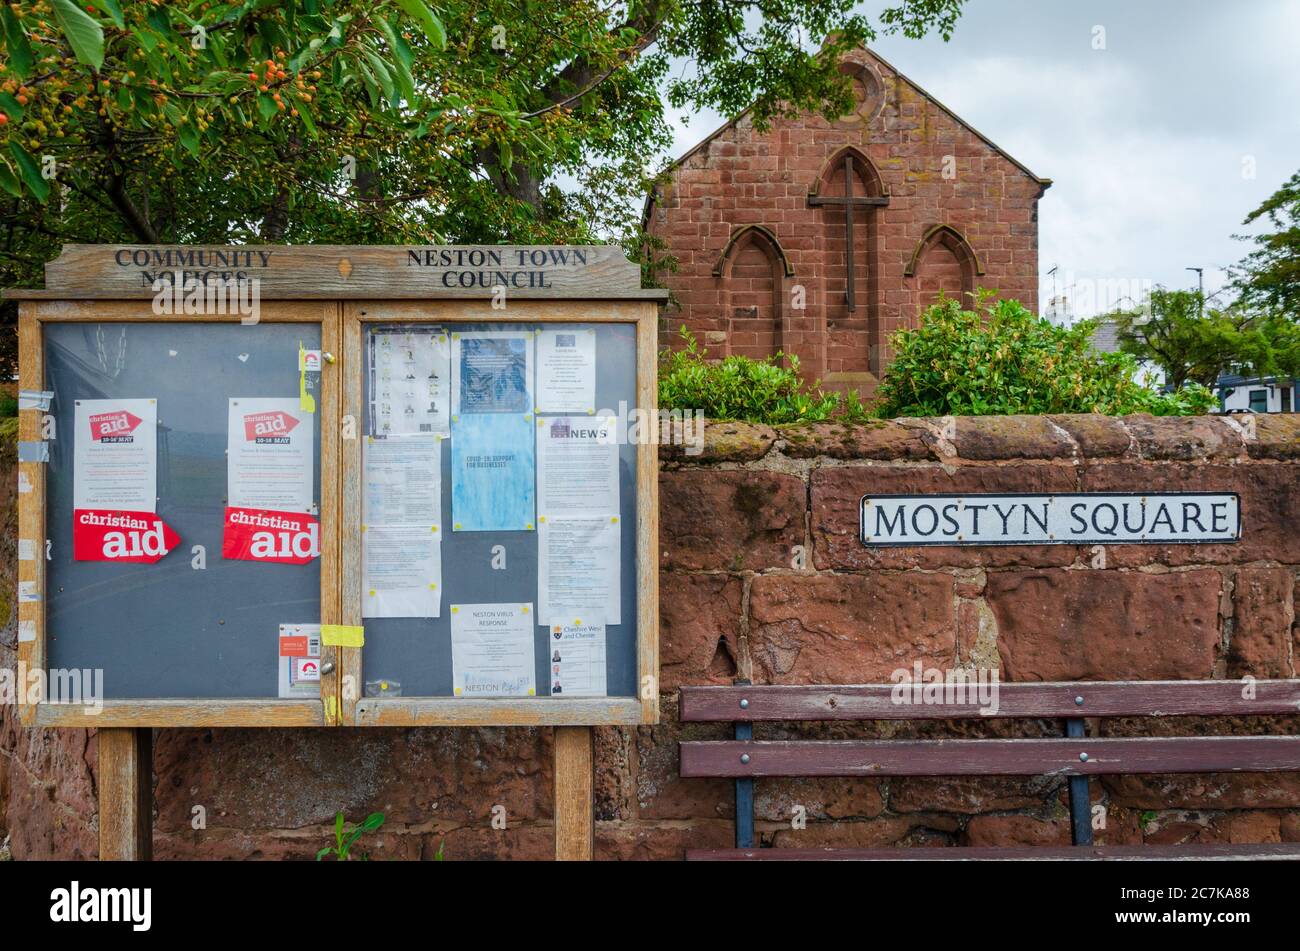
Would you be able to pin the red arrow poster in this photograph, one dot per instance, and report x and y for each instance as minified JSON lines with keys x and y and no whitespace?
{"x":130,"y":537}
{"x":112,"y":427}
{"x":287,"y":538}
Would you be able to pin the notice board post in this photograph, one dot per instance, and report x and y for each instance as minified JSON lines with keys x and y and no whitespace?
{"x":338,"y":487}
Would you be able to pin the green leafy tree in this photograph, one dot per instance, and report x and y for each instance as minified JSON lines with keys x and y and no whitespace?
{"x":1192,"y":343}
{"x":1269,"y":277}
{"x":998,"y":358}
{"x":384,"y":121}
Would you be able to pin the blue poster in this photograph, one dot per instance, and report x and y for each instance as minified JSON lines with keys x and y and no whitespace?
{"x":492,"y":473}
{"x":493,"y":373}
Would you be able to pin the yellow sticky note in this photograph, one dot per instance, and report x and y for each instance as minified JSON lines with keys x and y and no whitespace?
{"x":342,"y":635}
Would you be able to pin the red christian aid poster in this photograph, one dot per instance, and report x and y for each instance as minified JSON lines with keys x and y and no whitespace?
{"x":286,"y":538}
{"x":130,"y":537}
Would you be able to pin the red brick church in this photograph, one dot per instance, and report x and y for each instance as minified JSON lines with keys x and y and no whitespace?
{"x":823,"y":238}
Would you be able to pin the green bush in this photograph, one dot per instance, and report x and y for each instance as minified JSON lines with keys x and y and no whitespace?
{"x":741,"y":388}
{"x":1000,"y":359}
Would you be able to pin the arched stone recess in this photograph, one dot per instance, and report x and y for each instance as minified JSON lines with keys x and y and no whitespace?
{"x":851,"y":195}
{"x":943,"y":262}
{"x":753,"y":268}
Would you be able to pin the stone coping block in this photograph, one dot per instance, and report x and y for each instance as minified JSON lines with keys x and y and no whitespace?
{"x":992,"y":439}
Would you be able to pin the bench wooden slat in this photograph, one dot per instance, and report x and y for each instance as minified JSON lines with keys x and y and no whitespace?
{"x":1286,"y":851}
{"x":1106,"y":756}
{"x":1100,"y":699}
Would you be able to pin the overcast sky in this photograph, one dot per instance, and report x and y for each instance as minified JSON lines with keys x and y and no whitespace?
{"x":1158,"y":145}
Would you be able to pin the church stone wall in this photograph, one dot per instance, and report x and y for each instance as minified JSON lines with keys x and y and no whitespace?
{"x":935,"y":170}
{"x":762,"y":576}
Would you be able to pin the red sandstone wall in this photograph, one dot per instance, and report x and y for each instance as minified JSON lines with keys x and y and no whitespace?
{"x":744,"y":177}
{"x":732,"y":604}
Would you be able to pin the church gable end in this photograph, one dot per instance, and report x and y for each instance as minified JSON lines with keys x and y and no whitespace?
{"x":771,"y":244}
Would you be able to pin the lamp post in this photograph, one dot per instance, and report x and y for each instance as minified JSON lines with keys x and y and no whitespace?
{"x":1200,"y":288}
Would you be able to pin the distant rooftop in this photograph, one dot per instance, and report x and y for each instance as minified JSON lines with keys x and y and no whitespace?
{"x":1105,"y":339}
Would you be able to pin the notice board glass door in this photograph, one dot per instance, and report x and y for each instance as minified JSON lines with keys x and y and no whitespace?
{"x":188,"y":498}
{"x":494,"y":538}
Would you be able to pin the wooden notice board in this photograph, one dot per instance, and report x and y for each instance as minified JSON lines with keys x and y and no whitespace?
{"x":193,"y":638}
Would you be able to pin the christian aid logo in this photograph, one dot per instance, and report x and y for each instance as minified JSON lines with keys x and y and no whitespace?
{"x":295,"y":546}
{"x":136,"y":544}
{"x":268,"y":427}
{"x":114,"y":427}
{"x":132,"y":537}
{"x":261,"y":535}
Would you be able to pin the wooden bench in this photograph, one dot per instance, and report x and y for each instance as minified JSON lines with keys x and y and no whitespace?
{"x":1074,"y":755}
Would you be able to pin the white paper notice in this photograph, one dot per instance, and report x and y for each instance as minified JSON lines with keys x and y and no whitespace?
{"x":401,"y":571}
{"x":410,"y":382}
{"x":578,"y":569}
{"x":115,"y":455}
{"x":577,"y":660}
{"x":403,"y":481}
{"x":577,"y":466}
{"x":299,"y":660}
{"x":492,"y":650}
{"x":566,"y":371}
{"x":270,"y":455}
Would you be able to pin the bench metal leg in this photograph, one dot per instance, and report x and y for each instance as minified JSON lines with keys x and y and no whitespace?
{"x":744,"y":798}
{"x":744,"y":788}
{"x":1080,"y":800}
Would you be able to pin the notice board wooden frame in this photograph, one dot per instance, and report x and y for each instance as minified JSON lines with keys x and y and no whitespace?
{"x":530,"y":711}
{"x":342,"y":288}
